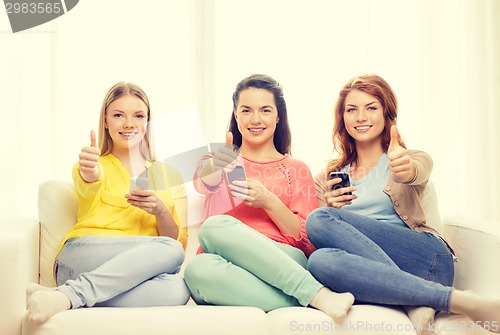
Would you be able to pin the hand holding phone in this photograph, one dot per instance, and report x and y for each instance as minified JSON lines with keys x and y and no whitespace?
{"x":343,"y":183}
{"x":238,"y":173}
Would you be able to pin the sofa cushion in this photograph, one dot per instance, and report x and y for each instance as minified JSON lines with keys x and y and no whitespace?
{"x":57,"y":210}
{"x":19,"y":264}
{"x":476,"y":243}
{"x":431,"y":207}
{"x":362,"y":319}
{"x":172,"y":320}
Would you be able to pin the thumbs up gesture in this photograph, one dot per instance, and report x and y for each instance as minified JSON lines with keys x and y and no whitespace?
{"x":89,"y":156}
{"x":225,"y":159}
{"x":400,"y":163}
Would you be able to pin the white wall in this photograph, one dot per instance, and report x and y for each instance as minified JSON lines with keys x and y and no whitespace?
{"x":461,"y":86}
{"x":149,"y":43}
{"x":440,"y":56}
{"x":25,"y":98}
{"x":55,"y":76}
{"x":312,"y":49}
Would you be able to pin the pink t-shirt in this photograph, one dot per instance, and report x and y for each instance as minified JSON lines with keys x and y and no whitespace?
{"x":288,"y":178}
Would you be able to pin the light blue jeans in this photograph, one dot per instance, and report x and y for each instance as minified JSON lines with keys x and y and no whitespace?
{"x":121,"y":271}
{"x":242,"y":267}
{"x":379,"y":262}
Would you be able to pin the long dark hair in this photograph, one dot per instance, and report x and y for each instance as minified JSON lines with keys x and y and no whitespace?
{"x":282,"y":135}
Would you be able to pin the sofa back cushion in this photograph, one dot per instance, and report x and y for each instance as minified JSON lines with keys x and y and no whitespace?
{"x":57,"y":209}
{"x":431,"y":207}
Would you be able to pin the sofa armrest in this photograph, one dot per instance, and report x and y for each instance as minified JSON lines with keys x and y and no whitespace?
{"x":476,"y":244}
{"x":19,"y":264}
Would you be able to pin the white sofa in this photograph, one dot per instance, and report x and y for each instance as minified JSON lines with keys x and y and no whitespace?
{"x":27,"y":248}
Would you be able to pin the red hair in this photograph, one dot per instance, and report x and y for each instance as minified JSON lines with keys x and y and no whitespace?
{"x":343,"y":143}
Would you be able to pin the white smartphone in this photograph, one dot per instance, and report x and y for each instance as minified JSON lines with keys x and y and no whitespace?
{"x":139,"y":183}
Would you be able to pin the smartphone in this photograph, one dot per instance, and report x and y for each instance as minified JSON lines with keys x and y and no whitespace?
{"x":344,"y":183}
{"x":139,"y":183}
{"x":238,"y":173}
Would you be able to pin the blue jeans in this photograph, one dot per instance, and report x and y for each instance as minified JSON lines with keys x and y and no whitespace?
{"x":379,"y":262}
{"x":121,"y":271}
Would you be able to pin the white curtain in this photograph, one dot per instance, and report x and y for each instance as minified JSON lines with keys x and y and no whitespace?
{"x":54,"y":78}
{"x":460,"y":103}
{"x":440,"y":56}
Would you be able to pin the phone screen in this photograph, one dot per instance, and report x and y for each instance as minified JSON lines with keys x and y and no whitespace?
{"x":344,"y":183}
{"x":238,"y":173}
{"x":139,"y":183}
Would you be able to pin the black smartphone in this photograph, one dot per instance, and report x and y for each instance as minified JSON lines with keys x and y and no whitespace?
{"x":238,"y":173}
{"x":344,"y":183}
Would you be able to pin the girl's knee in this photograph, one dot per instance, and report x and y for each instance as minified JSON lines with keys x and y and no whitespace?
{"x":214,"y":224}
{"x":313,"y":222}
{"x":166,"y":290}
{"x":315,"y":261}
{"x":200,"y":274}
{"x":326,"y":261}
{"x":216,"y":228}
{"x":174,"y":247}
{"x":317,"y":220}
{"x":198,"y":268}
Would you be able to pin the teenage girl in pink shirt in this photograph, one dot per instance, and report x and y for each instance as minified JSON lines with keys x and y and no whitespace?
{"x":253,"y":240}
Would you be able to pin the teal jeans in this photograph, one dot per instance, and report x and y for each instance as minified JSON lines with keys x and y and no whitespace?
{"x":242,"y":267}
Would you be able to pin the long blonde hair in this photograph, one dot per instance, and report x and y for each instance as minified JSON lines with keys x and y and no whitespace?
{"x":116,"y":91}
{"x":343,"y":143}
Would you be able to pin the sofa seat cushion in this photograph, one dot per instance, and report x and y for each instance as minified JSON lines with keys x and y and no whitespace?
{"x":452,"y":324}
{"x":362,"y":319}
{"x":177,"y":320}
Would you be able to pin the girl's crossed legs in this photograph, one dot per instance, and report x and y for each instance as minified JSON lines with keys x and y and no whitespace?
{"x":386,"y":264}
{"x":114,"y":272}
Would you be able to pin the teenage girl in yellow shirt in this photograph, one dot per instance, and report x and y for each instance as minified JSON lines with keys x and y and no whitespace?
{"x":126,"y":248}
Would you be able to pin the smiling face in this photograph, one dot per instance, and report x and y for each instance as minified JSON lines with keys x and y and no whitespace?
{"x":257,"y":116}
{"x":363,"y":117}
{"x":126,"y":122}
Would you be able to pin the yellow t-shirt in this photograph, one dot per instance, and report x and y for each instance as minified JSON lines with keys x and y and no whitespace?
{"x":104,"y":210}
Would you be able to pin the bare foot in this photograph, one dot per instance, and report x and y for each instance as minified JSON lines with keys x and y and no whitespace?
{"x":483,"y":311}
{"x":45,"y":302}
{"x":336,"y":305}
{"x":422,"y":318}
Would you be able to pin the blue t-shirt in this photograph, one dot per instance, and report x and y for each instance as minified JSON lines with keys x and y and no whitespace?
{"x":372,"y":201}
